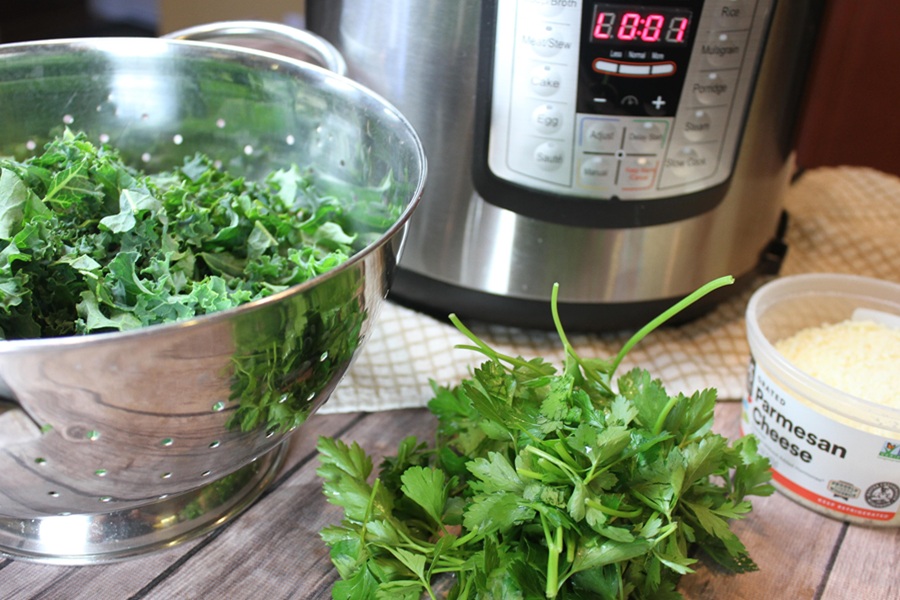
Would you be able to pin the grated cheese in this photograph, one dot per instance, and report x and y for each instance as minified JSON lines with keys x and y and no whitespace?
{"x":861,"y":358}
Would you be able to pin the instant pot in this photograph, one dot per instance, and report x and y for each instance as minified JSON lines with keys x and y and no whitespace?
{"x":628,"y":151}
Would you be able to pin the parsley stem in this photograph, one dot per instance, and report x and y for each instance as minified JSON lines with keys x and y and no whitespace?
{"x":466,"y":538}
{"x":648,"y":501}
{"x":530,"y":474}
{"x":570,"y":351}
{"x":668,"y":314}
{"x":661,"y":419}
{"x":554,"y":541}
{"x":555,"y":461}
{"x":621,"y":584}
{"x":480,"y":346}
{"x":631,"y":514}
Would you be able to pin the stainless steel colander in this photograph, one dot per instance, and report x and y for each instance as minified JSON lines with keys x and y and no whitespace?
{"x":112,"y":445}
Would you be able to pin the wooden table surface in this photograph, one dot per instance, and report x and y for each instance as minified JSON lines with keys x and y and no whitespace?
{"x":272,"y":550}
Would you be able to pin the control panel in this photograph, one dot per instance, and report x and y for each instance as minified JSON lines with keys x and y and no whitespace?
{"x":617,"y":100}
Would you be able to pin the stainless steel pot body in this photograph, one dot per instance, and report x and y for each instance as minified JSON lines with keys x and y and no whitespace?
{"x":468,"y":256}
{"x":128,"y":441}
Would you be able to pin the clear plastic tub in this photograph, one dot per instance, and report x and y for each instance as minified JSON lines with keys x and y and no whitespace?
{"x":831,"y":451}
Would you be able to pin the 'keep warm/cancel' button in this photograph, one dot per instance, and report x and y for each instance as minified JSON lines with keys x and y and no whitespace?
{"x":638,"y":173}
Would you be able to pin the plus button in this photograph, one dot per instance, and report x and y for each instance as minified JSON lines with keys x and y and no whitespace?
{"x":658,"y":103}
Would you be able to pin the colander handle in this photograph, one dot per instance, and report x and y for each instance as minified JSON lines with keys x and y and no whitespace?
{"x":309,"y":43}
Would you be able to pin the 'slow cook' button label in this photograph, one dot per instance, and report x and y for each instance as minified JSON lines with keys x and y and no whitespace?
{"x":691,"y":163}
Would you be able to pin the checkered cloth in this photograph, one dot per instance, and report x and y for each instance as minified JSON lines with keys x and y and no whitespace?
{"x":843,"y":220}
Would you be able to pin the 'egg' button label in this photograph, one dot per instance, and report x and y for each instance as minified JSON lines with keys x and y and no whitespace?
{"x":546,"y":119}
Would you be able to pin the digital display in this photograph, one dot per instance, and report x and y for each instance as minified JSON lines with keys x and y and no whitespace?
{"x":645,"y":25}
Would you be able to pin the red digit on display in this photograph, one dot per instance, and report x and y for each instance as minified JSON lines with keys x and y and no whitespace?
{"x":677,"y":29}
{"x":653,"y":28}
{"x":628,"y":30}
{"x":604,"y":25}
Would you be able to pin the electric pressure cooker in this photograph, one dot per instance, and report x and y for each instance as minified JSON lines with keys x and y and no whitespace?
{"x":628,"y":151}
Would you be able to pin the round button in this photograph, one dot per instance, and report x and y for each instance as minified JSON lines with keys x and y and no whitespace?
{"x":597,"y":171}
{"x":725,"y":50}
{"x":549,"y":156}
{"x":599,"y":136}
{"x":647,"y":136}
{"x":698,"y":126}
{"x":547,"y":119}
{"x":711,"y":89}
{"x":690,"y":162}
{"x":547,"y":40}
{"x":638,"y":173}
{"x":545,"y":80}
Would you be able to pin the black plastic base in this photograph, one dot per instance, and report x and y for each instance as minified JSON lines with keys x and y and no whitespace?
{"x":439,"y":299}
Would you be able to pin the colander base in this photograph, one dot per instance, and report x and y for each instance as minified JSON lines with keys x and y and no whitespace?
{"x":81,"y":539}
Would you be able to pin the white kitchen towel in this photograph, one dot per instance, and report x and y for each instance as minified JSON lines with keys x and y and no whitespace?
{"x":842,"y":220}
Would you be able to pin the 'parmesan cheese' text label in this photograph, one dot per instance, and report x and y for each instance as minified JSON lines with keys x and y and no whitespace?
{"x":828,"y":463}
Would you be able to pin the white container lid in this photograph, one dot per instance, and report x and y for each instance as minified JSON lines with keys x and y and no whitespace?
{"x":784,"y":306}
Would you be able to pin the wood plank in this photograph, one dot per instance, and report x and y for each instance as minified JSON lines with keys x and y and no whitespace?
{"x":19,"y":579}
{"x":274,"y":550}
{"x":867,"y":565}
{"x":791,"y":545}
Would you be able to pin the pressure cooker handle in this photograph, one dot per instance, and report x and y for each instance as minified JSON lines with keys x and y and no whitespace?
{"x":309,"y":43}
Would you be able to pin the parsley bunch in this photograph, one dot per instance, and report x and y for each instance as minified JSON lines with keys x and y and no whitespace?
{"x":545,"y":484}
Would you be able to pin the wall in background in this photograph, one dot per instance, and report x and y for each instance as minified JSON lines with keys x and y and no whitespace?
{"x":851,"y":115}
{"x":177,"y":14}
{"x":23,"y":20}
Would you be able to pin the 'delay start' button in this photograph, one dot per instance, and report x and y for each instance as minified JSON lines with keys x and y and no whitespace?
{"x":646,"y":136}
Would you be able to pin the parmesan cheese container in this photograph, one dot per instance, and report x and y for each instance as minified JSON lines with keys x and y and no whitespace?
{"x":834,"y":445}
